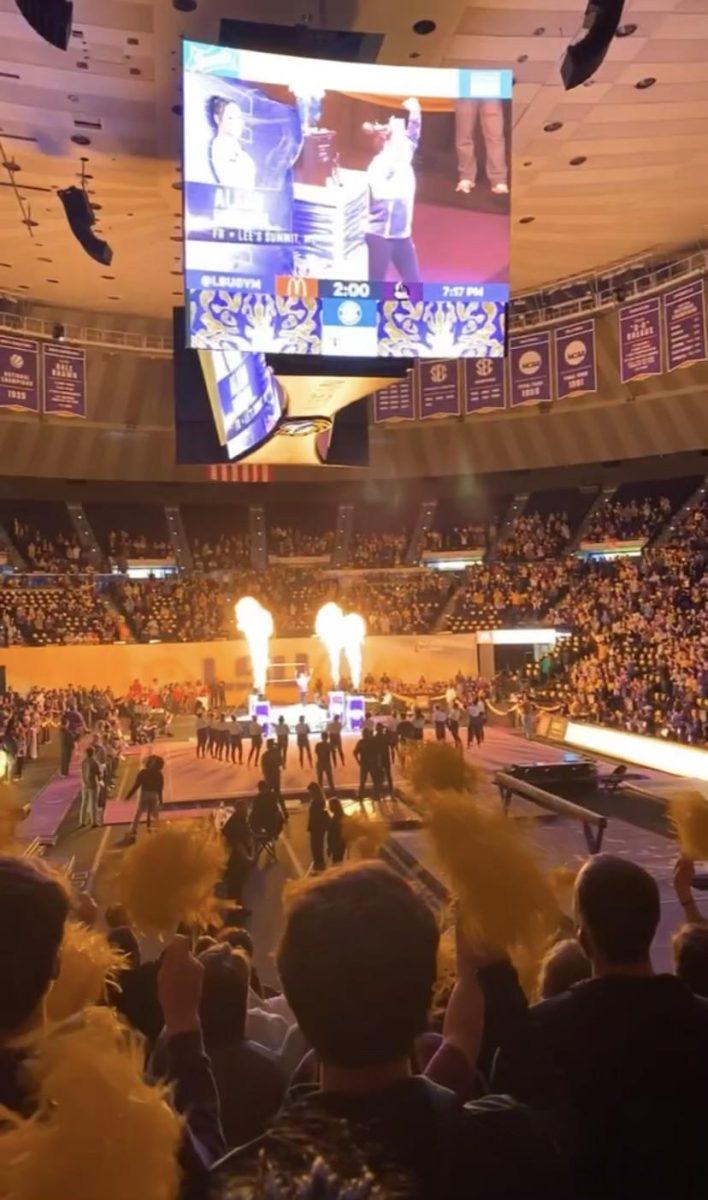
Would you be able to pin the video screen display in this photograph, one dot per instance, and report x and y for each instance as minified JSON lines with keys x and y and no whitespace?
{"x":344,"y":209}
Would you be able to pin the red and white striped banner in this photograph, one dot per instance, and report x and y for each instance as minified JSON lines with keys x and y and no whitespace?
{"x":239,"y":473}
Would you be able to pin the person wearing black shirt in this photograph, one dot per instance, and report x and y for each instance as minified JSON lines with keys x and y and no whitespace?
{"x":282,"y":734}
{"x":366,"y":753}
{"x":151,"y":781}
{"x":336,"y":845}
{"x":323,"y":757}
{"x":360,"y":1005}
{"x":302,"y":733}
{"x":266,"y":813}
{"x":270,"y":766}
{"x":383,"y":750}
{"x":334,"y":730}
{"x":318,"y":822}
{"x":70,"y":730}
{"x":406,"y":733}
{"x":620,"y":1060}
{"x":236,"y":833}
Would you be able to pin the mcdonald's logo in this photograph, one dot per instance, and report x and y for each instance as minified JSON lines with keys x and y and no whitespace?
{"x":296,"y":287}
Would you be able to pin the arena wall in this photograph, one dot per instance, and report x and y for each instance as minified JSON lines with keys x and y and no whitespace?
{"x":437,"y":657}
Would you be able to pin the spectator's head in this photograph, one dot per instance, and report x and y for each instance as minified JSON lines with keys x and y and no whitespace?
{"x":204,"y":943}
{"x":564,"y":964}
{"x":691,"y":957}
{"x":237,"y":939}
{"x":224,"y":994}
{"x":314,"y":792}
{"x":325,"y":736}
{"x":271,"y":743}
{"x":358,"y":963}
{"x":617,"y":910}
{"x":116,"y":915}
{"x":33,"y":909}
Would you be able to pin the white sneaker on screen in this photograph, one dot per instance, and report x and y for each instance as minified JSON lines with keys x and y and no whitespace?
{"x":465,"y":185}
{"x":501,"y":189}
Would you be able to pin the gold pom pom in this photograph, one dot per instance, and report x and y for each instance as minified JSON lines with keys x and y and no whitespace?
{"x":688,"y":811}
{"x":169,"y":877}
{"x":438,"y":767}
{"x":364,"y":836}
{"x":87,"y":965}
{"x":99,"y":1130}
{"x":504,"y":898}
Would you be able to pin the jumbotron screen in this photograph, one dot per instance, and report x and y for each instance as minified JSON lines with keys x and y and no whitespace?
{"x":344,"y":208}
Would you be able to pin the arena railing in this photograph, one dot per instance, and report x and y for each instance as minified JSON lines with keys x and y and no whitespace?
{"x":604,"y":289}
{"x":594,"y":825}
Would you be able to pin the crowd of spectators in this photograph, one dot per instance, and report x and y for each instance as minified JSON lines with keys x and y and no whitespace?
{"x":691,"y":530}
{"x":28,"y":720}
{"x":408,"y":603}
{"x":70,"y":611}
{"x":497,"y":594}
{"x":473,"y":536}
{"x":291,"y":541}
{"x":201,"y":608}
{"x":190,"y":609}
{"x":635,"y":520}
{"x":122,"y":546}
{"x":57,"y":554}
{"x":224,"y":553}
{"x":534,"y":536}
{"x":378,"y":549}
{"x":642,"y":631}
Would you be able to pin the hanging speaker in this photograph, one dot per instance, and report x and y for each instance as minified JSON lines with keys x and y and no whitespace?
{"x":583,"y":58}
{"x":51,"y":19}
{"x":81,"y":217}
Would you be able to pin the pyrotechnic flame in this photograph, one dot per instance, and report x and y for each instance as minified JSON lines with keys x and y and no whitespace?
{"x":256,"y":624}
{"x":354,"y":635}
{"x":329,"y":627}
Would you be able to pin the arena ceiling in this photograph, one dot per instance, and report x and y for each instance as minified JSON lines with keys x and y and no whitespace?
{"x":641,"y":184}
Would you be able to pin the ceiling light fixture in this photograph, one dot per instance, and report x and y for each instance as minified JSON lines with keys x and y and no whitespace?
{"x":422,"y":28}
{"x":647,"y":82}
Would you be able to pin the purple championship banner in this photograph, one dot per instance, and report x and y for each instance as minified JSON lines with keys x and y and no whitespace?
{"x":396,"y":402}
{"x":64,"y":372}
{"x":485,"y":384}
{"x":576,"y":364}
{"x":19,"y":373}
{"x":530,"y":369}
{"x":439,"y":393}
{"x":640,"y":350}
{"x":685,"y":320}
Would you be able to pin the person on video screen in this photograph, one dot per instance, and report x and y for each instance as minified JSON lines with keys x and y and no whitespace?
{"x":491,"y":118}
{"x":231,"y":165}
{"x":392,"y":185}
